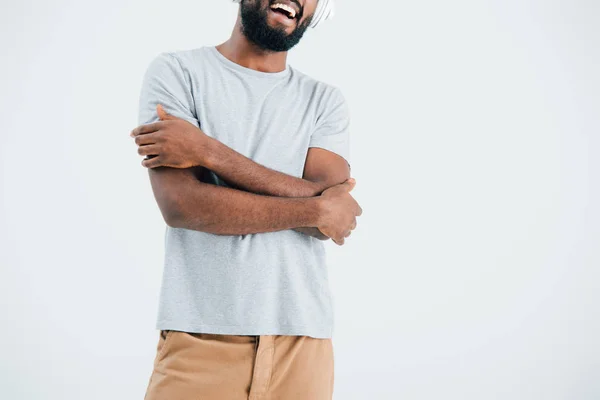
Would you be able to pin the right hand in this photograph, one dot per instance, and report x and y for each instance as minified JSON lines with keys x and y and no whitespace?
{"x":339,"y":211}
{"x":172,"y":142}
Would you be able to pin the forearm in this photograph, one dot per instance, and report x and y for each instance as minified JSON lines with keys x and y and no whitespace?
{"x":241,"y":172}
{"x":192,"y":204}
{"x":249,"y":175}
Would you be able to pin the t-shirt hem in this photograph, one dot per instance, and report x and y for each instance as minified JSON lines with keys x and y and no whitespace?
{"x":291,"y":330}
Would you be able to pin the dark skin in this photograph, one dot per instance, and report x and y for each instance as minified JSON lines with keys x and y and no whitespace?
{"x":260,"y":199}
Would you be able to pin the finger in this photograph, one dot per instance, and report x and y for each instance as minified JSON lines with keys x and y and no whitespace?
{"x":359,"y":211}
{"x":339,"y":242}
{"x":349,"y":184}
{"x":149,"y":150}
{"x":162,"y":114}
{"x":152,"y":162}
{"x":148,"y":138}
{"x":353,"y":225}
{"x":348,"y":233}
{"x":148,"y":128}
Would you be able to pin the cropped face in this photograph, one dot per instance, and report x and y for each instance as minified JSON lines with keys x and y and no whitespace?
{"x":276,"y":25}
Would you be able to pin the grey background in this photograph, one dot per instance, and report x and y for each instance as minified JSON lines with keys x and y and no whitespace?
{"x":473,"y":273}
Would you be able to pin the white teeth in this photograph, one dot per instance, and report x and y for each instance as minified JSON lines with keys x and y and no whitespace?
{"x":285,"y":7}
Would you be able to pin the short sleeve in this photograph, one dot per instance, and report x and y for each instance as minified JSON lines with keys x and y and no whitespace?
{"x":332,"y":128}
{"x":165,"y":82}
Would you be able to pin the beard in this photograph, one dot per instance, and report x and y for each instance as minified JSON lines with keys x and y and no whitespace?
{"x":256,"y":28}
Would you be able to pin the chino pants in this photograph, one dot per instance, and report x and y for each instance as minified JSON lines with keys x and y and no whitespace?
{"x":202,"y":366}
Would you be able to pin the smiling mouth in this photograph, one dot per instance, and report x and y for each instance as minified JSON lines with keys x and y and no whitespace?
{"x":284,"y":9}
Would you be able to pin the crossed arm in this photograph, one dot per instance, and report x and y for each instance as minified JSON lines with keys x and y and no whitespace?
{"x":286,"y":203}
{"x":268,"y":201}
{"x":186,"y":202}
{"x":322,"y":170}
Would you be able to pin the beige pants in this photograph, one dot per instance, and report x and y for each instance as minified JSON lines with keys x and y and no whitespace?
{"x":202,"y":366}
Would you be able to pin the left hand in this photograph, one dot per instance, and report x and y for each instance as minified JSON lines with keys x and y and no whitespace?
{"x":173,"y":142}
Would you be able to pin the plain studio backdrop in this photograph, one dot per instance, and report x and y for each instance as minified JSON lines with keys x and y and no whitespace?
{"x":473,"y":271}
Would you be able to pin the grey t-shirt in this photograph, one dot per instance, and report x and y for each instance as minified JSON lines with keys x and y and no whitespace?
{"x":273,"y":283}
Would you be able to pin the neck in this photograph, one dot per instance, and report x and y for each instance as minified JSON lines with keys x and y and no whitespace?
{"x":247,"y":54}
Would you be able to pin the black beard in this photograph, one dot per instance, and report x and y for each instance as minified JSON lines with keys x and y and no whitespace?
{"x":256,"y":28}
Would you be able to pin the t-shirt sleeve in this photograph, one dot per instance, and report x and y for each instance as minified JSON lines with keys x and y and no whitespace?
{"x":165,"y":82}
{"x":332,"y":128}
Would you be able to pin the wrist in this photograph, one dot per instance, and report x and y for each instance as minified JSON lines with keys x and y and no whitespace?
{"x":315,"y":205}
{"x":319,"y":187}
{"x":208,"y":153}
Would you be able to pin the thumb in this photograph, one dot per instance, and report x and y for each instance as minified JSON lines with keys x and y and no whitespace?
{"x":349,"y":184}
{"x":162,"y":114}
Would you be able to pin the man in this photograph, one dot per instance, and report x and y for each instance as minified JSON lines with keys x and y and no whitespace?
{"x":249,"y":163}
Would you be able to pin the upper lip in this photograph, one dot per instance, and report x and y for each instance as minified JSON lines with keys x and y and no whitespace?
{"x":291,"y":3}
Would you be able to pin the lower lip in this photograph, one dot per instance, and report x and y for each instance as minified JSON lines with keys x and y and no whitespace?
{"x":282,"y":18}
